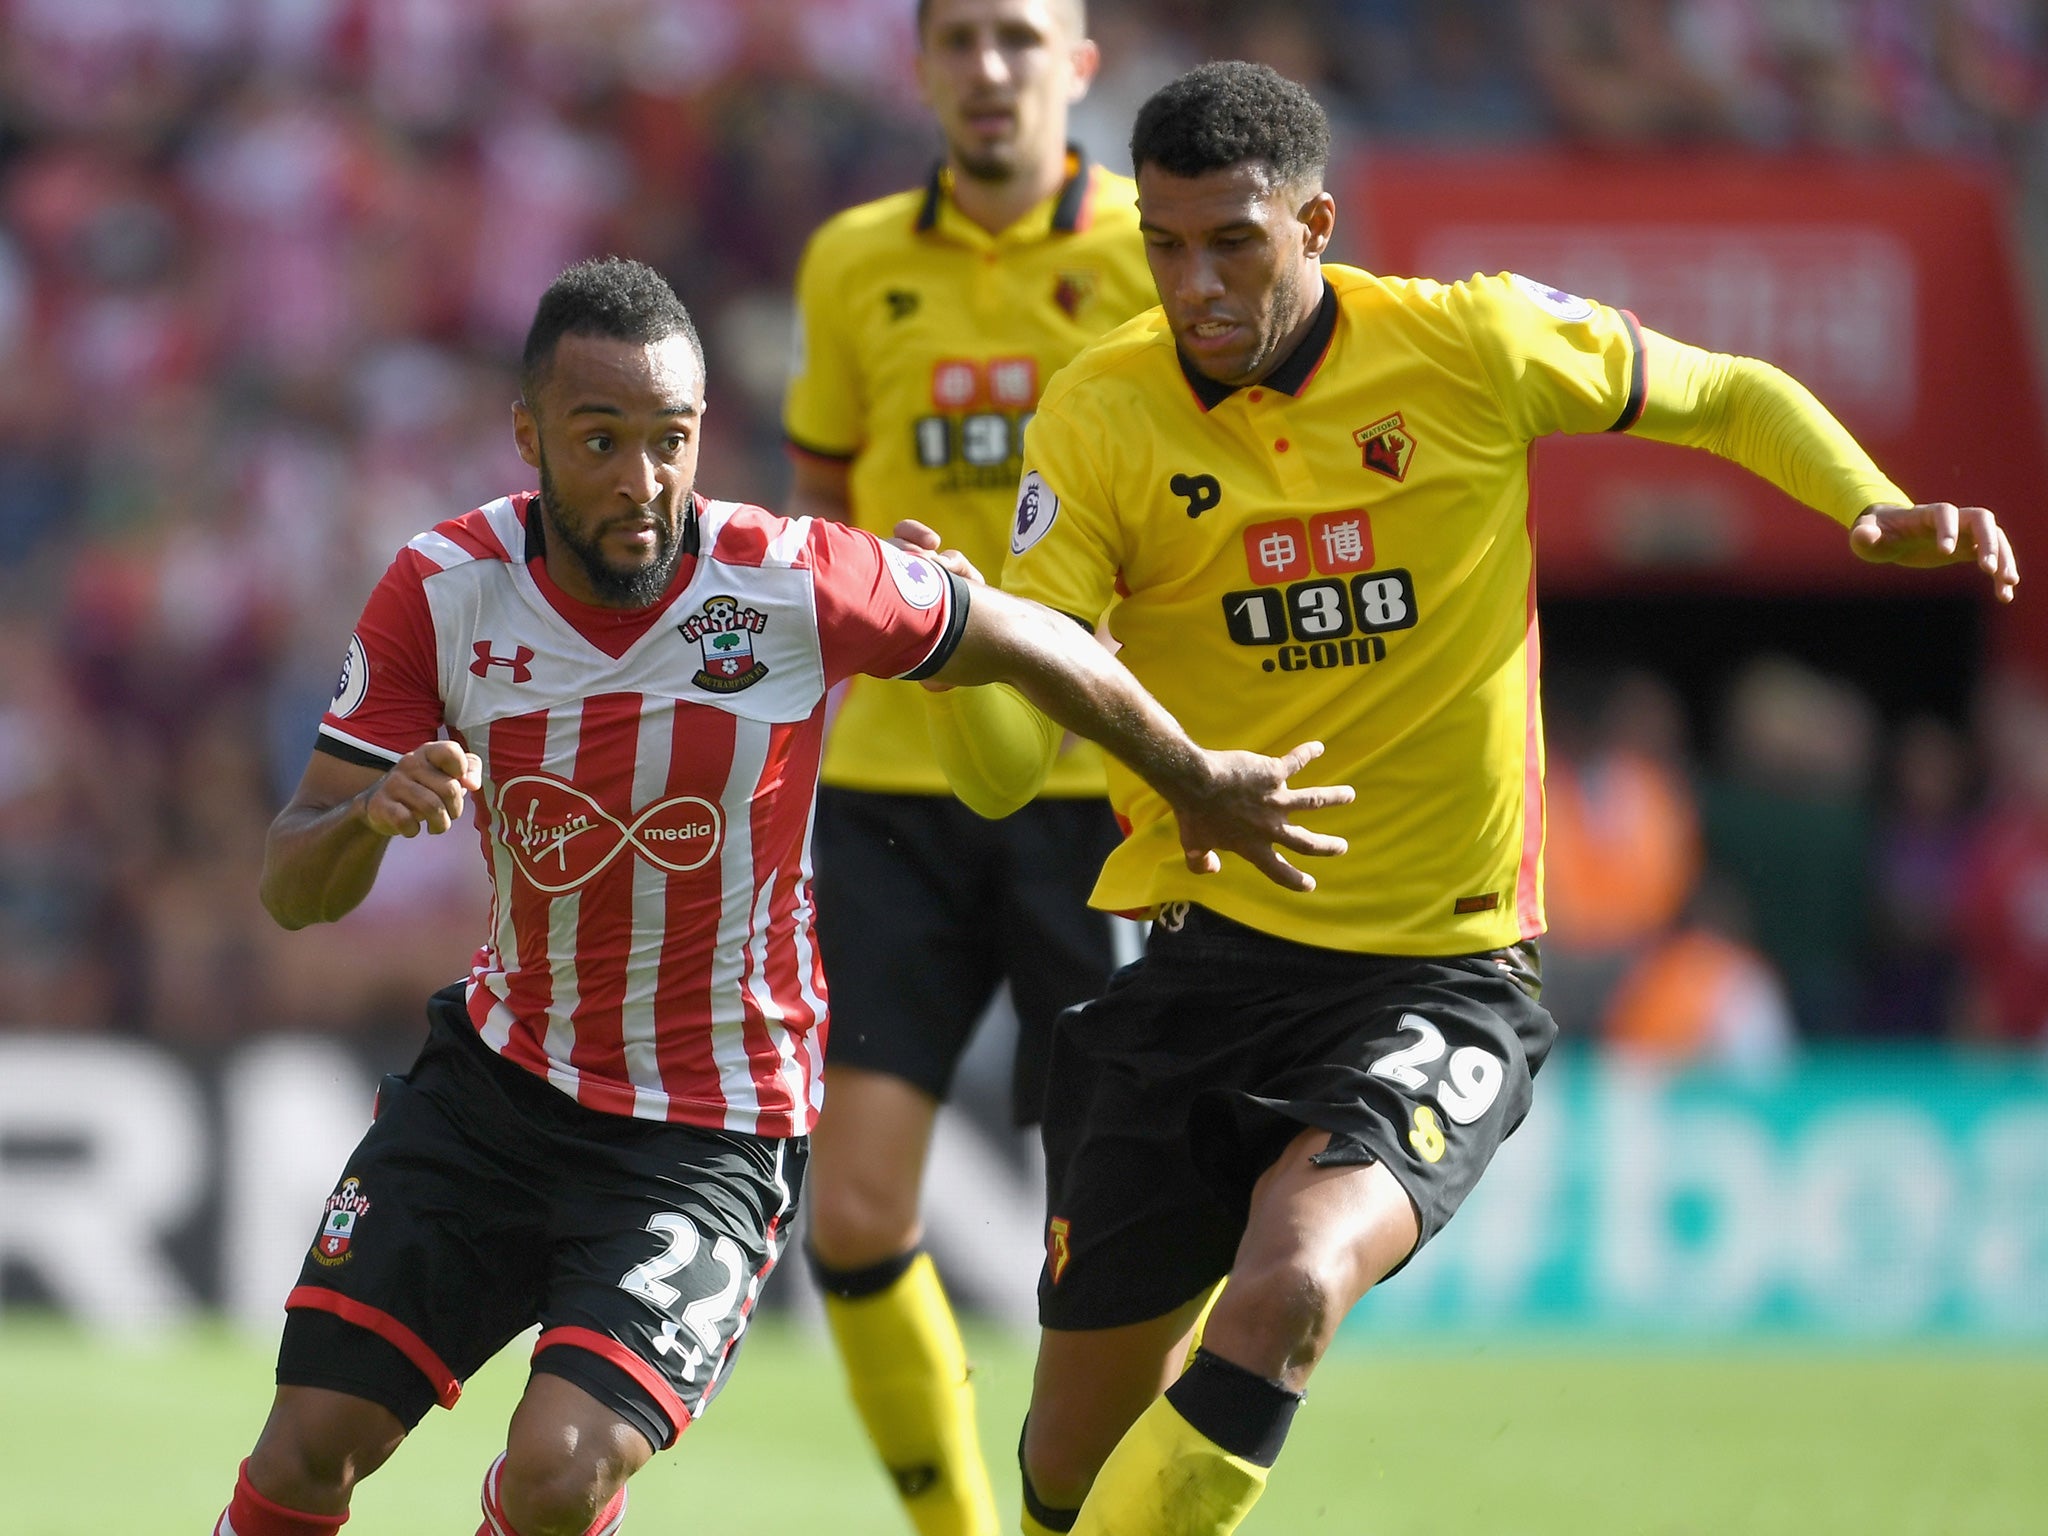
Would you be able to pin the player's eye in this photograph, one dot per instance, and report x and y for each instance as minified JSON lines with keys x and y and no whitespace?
{"x":674,"y":442}
{"x":598,"y":442}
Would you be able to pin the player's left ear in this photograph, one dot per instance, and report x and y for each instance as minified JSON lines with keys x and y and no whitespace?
{"x":1319,"y":220}
{"x":1084,"y":59}
{"x":526,"y":433}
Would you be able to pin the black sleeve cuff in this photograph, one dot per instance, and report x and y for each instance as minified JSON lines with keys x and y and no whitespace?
{"x":949,"y":642}
{"x":348,"y":753}
{"x":1632,"y":408}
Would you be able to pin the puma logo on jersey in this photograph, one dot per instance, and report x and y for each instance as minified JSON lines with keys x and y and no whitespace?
{"x":520,"y":662}
{"x":1200,"y":492}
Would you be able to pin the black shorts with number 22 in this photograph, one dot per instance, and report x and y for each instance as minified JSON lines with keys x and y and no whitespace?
{"x":483,"y":1200}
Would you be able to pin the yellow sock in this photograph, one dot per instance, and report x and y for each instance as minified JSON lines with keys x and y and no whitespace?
{"x":1166,"y":1478}
{"x":907,"y":1370}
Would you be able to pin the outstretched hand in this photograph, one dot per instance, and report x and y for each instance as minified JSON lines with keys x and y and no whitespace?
{"x":1244,"y":807}
{"x":1937,"y":533}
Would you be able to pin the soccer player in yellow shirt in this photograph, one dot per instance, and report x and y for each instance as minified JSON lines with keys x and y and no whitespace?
{"x":929,"y":321}
{"x":1300,"y":494}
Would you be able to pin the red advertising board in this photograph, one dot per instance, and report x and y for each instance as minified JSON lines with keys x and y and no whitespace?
{"x":1887,"y":287}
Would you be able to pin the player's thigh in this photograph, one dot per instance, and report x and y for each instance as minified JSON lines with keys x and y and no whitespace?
{"x":1421,"y":1067}
{"x":906,"y":930}
{"x":1089,"y":1386}
{"x":867,"y":1166}
{"x":429,"y":1255}
{"x":657,"y":1263}
{"x":1056,"y":950}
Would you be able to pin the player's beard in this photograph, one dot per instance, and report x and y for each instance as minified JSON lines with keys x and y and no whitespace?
{"x":615,"y":588}
{"x":989,"y":168}
{"x":1286,"y":302}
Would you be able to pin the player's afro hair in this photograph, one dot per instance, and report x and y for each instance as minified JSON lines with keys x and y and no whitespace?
{"x":607,"y":296}
{"x":1226,"y":113}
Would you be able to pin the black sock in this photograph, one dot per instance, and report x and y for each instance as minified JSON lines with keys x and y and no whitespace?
{"x":852,"y":1284}
{"x":1238,"y":1409}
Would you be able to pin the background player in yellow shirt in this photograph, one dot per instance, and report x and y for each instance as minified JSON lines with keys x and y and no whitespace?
{"x":930,"y":320}
{"x":1300,"y":495}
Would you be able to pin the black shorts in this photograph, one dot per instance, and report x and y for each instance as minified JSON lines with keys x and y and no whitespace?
{"x":483,"y":1200}
{"x":1172,"y":1092}
{"x":925,"y":908}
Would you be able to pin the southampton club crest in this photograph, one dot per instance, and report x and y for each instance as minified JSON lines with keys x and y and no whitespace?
{"x":725,"y":630}
{"x":338,"y":1225}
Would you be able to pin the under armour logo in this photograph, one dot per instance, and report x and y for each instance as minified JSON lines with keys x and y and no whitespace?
{"x":667,"y":1342}
{"x":1201,"y":492}
{"x":519,"y":661}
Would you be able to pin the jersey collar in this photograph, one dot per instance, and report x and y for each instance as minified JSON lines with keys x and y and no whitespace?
{"x":1293,"y":372}
{"x":1068,"y":211}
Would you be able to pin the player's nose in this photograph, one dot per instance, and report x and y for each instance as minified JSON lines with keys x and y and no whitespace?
{"x":987,"y":64}
{"x":639,"y":478}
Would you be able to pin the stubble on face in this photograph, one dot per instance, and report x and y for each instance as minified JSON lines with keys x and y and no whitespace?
{"x":636,"y":587}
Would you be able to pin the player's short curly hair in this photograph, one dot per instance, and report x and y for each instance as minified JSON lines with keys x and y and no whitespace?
{"x":1226,"y":113}
{"x":607,"y":296}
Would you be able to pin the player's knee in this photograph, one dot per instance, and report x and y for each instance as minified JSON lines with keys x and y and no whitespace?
{"x":557,"y":1495}
{"x":858,"y":1221}
{"x":1282,"y":1314}
{"x":314,"y":1463}
{"x":1058,"y":1470}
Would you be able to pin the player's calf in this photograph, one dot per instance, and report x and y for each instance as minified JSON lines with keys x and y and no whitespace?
{"x":1318,"y":1239}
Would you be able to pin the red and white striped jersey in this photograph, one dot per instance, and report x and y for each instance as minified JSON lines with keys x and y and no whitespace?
{"x":648,"y":783}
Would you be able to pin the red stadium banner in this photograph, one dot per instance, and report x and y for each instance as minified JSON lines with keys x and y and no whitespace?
{"x":1886,"y":286}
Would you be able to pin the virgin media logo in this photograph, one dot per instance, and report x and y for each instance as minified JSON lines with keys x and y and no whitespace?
{"x":561,"y":838}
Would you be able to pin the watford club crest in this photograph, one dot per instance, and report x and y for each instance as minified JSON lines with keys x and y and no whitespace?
{"x":1074,"y":291}
{"x":725,"y":630}
{"x":1058,"y":1247}
{"x":338,"y":1227}
{"x":1387,"y":445}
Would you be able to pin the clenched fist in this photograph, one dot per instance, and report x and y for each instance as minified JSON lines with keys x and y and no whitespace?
{"x":426,"y":787}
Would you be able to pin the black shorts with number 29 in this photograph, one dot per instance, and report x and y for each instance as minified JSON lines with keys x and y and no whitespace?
{"x":1172,"y":1092}
{"x":483,"y":1200}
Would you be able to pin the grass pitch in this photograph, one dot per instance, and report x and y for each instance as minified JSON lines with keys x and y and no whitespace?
{"x":1448,"y":1440}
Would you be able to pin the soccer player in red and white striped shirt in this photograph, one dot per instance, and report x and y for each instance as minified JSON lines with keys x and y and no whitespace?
{"x":622,"y":684}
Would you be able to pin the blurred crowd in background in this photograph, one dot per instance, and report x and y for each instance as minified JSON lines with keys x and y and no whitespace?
{"x":264,"y":269}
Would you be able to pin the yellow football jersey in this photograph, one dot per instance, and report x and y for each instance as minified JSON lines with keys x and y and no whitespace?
{"x":1340,"y":553}
{"x":923,"y":344}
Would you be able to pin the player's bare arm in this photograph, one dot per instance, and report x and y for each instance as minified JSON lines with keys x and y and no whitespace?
{"x":819,"y":489}
{"x":1934,"y":534}
{"x":1225,"y":802}
{"x":323,"y":850}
